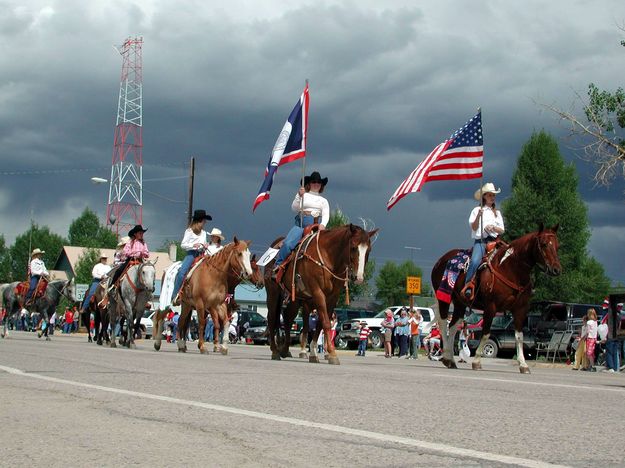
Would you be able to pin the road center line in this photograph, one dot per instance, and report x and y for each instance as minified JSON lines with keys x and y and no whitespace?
{"x":424,"y":445}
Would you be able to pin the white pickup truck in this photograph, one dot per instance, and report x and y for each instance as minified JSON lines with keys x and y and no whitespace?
{"x":349,"y":330}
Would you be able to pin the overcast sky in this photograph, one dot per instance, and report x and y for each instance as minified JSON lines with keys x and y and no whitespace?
{"x":388,"y":82}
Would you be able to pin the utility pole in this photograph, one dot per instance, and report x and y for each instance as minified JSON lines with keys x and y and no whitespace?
{"x":191,"y":178}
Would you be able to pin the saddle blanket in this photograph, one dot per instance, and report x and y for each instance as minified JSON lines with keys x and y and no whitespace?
{"x":458,"y":263}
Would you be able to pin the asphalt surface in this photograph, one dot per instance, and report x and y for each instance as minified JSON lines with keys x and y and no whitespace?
{"x":70,"y":403}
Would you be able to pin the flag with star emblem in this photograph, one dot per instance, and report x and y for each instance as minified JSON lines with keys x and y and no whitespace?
{"x":459,"y":157}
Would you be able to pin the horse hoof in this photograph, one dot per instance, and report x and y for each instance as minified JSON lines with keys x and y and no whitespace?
{"x":157,"y":346}
{"x":524,"y":370}
{"x":286,"y":355}
{"x":303,"y":355}
{"x":203,"y":351}
{"x":48,"y":338}
{"x":99,"y":342}
{"x":113,"y":345}
{"x":476,"y":366}
{"x":215,"y":349}
{"x":182,"y":350}
{"x":275,"y":357}
{"x":449,"y":363}
{"x":313,"y":359}
{"x":326,"y":356}
{"x":224,"y":351}
{"x":333,"y":360}
{"x":132,"y":346}
{"x":90,"y":340}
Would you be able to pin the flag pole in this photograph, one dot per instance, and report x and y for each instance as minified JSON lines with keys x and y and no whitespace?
{"x":301,"y":201}
{"x":479,"y":110}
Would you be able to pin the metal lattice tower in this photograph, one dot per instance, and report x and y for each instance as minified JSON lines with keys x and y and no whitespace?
{"x":125,"y":203}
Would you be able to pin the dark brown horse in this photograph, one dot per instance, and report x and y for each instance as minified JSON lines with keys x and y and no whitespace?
{"x":503,"y":285}
{"x":321,"y":274}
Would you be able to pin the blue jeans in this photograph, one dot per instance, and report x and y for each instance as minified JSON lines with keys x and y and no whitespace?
{"x":90,"y":293}
{"x":209,"y":330}
{"x":612,"y":354}
{"x":292,"y":238}
{"x":362,"y":347}
{"x":184,"y":269}
{"x":33,"y":284}
{"x":403,"y":344}
{"x":476,"y":257}
{"x":67,"y":327}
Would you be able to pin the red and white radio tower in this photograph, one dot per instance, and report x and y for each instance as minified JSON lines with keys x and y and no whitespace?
{"x":125,"y":204}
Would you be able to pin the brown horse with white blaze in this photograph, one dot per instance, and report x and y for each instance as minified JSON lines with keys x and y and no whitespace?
{"x":321,"y":273}
{"x":207,"y":289}
{"x":504,"y":284}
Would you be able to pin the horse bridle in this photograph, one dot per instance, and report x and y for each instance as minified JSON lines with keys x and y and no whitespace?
{"x":543,"y":265}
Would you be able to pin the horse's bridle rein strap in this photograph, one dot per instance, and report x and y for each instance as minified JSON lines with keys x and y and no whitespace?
{"x":515,"y":287}
{"x":132,"y":285}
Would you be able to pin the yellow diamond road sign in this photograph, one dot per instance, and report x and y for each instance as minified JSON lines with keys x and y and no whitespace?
{"x":413,"y":285}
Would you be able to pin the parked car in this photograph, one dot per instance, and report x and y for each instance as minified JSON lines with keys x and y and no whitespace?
{"x":255,"y":326}
{"x":502,"y":340}
{"x":348,"y":334}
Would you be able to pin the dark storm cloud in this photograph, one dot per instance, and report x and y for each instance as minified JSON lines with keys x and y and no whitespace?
{"x":388,"y":83}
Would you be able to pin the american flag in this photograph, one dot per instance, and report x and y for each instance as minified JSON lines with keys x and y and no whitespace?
{"x":290,"y":145}
{"x":459,"y":157}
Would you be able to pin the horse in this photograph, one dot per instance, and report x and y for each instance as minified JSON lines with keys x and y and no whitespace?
{"x":44,"y":305}
{"x":134,"y":290}
{"x":207,"y":289}
{"x":504,"y":284}
{"x":100,"y":316}
{"x":321,"y":274}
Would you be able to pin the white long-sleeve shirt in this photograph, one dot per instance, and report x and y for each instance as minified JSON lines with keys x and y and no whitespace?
{"x":100,"y":270}
{"x":314,"y":203}
{"x":190,"y":239}
{"x":489,"y":219}
{"x":37,"y":267}
{"x":212,"y":249}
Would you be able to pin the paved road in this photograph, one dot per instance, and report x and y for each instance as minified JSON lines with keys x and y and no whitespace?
{"x":97,"y":406}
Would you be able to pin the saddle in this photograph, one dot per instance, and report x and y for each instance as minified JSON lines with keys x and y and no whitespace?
{"x":298,"y":253}
{"x":22,"y":289}
{"x":491,"y":250}
{"x":197,"y":261}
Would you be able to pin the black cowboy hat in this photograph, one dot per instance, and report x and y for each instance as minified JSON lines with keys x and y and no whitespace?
{"x":315,"y":177}
{"x":136,"y":229}
{"x":199,"y":215}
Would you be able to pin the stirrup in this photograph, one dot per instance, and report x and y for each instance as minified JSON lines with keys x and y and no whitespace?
{"x":176,"y":300}
{"x":468,"y":292}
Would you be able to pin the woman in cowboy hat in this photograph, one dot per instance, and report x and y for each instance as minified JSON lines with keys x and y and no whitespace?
{"x":100,"y":270}
{"x":194,"y":242}
{"x":36,"y":269}
{"x":314,"y":210}
{"x":215,"y":244}
{"x":135,"y":249}
{"x":118,"y":259}
{"x":488,"y":216}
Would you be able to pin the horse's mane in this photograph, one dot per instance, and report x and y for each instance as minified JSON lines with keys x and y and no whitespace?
{"x":520,"y":245}
{"x":346,"y":229}
{"x":220,"y":257}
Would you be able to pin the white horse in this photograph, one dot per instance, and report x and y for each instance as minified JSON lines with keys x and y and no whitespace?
{"x":135,"y":289}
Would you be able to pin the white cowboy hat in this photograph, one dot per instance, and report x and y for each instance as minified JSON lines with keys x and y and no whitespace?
{"x":103,"y":256}
{"x":216,"y":232}
{"x":37,"y":252}
{"x":123,"y":241}
{"x":488,"y":187}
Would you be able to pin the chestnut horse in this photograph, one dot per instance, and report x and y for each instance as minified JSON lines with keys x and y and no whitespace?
{"x":206,"y":291}
{"x":503,"y":285}
{"x":321,"y":274}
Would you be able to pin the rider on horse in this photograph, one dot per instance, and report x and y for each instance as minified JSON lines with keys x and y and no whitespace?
{"x":36,"y":270}
{"x":135,"y":249}
{"x":194,"y":242}
{"x":312,"y":208}
{"x":214,"y":245}
{"x":488,"y":216}
{"x":100,"y":270}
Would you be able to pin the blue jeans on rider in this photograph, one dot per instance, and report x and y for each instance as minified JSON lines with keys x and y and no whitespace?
{"x":184,"y":269}
{"x":479,"y":249}
{"x":292,"y":238}
{"x":33,"y":284}
{"x":90,"y":293}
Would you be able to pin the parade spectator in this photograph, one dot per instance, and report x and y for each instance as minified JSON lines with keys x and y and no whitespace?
{"x":52,"y":323}
{"x":313,"y":318}
{"x":69,"y":321}
{"x":387,"y":326}
{"x":591,"y":339}
{"x":320,"y":342}
{"x":75,"y":318}
{"x":174,"y":326}
{"x":463,"y":340}
{"x":402,"y":332}
{"x":210,"y":329}
{"x":612,"y":342}
{"x":363,"y":338}
{"x":580,"y":352}
{"x":415,"y":334}
{"x":333,"y":325}
{"x":431,"y":340}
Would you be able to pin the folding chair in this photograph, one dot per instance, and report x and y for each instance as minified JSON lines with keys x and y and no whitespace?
{"x":549,"y":346}
{"x":563,"y":345}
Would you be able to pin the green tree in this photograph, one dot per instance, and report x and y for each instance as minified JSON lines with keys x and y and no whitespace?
{"x":86,"y":231}
{"x":34,"y":237}
{"x":391,"y":282}
{"x":6,"y":275}
{"x":337,"y":219}
{"x":544,"y":189}
{"x":85,"y":265}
